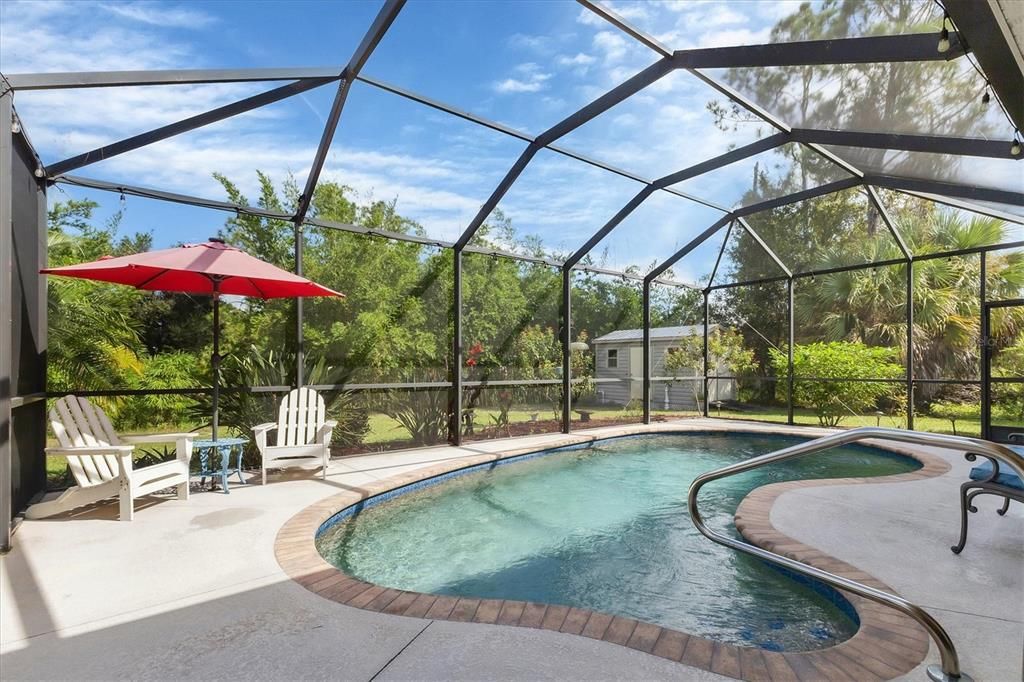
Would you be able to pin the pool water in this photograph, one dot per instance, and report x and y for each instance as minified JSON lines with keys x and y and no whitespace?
{"x":605,"y":527}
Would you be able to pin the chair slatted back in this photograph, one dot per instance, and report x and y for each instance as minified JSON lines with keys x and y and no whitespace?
{"x":301,"y":414}
{"x":78,"y":423}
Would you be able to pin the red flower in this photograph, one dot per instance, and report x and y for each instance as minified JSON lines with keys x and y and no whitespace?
{"x":471,"y":362}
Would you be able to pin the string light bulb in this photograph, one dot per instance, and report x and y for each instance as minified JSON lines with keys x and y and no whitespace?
{"x":987,"y":97}
{"x":39,"y":172}
{"x":1015,"y":147}
{"x":15,"y":126}
{"x":944,"y":36}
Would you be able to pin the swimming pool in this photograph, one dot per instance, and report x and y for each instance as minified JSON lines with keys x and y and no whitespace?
{"x":604,"y":526}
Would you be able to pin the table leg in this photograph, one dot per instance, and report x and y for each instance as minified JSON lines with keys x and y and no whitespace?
{"x":225,"y":460}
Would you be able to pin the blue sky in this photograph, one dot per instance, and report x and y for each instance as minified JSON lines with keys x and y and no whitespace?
{"x":526,"y":64}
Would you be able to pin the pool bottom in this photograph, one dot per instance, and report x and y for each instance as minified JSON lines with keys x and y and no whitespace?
{"x":298,"y":556}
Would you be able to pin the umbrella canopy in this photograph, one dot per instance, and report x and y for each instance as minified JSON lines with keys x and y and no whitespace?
{"x":211,"y":268}
{"x":197,"y":269}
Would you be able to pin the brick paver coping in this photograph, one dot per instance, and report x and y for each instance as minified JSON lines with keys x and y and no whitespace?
{"x":887,"y":644}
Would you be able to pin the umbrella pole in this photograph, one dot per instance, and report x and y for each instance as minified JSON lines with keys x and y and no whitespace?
{"x":215,"y":359}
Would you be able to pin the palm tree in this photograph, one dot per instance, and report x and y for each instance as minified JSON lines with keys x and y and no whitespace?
{"x":869,"y":305}
{"x":92,"y":341}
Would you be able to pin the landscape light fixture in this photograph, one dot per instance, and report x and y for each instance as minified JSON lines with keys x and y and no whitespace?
{"x":944,"y":36}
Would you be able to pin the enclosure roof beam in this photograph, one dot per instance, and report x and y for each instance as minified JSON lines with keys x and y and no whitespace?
{"x":916,"y":47}
{"x":876,"y":201}
{"x":526,"y":137}
{"x":731,"y":93}
{"x":990,"y":38}
{"x":111,"y":79}
{"x":693,"y":244}
{"x":185,"y":125}
{"x":752,"y":149}
{"x":635,"y":277}
{"x":721,"y":252}
{"x":381,"y":23}
{"x":173,"y":197}
{"x":949,"y":189}
{"x":932,"y":144}
{"x":764,"y":245}
{"x":606,"y":101}
{"x":627,"y":28}
{"x":738,"y":154}
{"x":188,"y":200}
{"x":803,"y":195}
{"x":966,"y":206}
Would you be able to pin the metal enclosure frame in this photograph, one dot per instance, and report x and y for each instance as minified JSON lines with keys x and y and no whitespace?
{"x":982,"y":31}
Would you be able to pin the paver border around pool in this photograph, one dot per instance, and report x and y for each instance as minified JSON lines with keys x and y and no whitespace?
{"x":886,"y":645}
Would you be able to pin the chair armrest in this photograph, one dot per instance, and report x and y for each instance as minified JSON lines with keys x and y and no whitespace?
{"x":90,"y":450}
{"x":157,"y":437}
{"x":323,"y":434}
{"x":261,"y":431}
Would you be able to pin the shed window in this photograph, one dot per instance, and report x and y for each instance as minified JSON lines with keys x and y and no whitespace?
{"x":613,"y":358}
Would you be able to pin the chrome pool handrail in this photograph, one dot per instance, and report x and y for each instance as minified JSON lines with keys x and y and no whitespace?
{"x":949,"y":671}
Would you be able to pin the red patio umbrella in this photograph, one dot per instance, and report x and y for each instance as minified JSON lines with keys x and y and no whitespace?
{"x":211,"y":268}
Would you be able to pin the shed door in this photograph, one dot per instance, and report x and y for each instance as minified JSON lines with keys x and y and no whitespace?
{"x":636,"y":373}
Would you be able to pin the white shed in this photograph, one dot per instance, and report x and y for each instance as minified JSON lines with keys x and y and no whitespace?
{"x":619,"y":370}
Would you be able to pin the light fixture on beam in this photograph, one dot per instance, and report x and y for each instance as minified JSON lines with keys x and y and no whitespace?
{"x":944,"y":36}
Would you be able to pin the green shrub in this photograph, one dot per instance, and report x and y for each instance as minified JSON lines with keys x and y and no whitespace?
{"x":846,"y":362}
{"x":955,"y":411}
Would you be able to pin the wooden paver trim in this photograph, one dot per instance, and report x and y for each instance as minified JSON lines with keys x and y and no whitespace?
{"x":886,"y":645}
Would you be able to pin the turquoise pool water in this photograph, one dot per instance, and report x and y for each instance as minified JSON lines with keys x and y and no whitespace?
{"x":605,"y":527}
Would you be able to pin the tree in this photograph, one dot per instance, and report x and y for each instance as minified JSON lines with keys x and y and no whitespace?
{"x":726,"y":353}
{"x":93,"y":339}
{"x":847,"y":365}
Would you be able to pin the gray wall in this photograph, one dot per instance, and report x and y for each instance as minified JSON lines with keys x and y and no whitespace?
{"x":28,"y":326}
{"x":628,"y":379}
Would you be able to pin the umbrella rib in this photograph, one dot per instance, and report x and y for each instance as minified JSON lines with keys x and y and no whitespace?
{"x":145,"y":282}
{"x":257,"y":288}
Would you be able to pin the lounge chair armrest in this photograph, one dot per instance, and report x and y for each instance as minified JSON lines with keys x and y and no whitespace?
{"x":157,"y":437}
{"x":90,"y":450}
{"x":260,"y":431}
{"x":323,"y":434}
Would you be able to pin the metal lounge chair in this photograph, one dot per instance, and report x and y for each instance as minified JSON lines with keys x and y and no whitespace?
{"x":303,"y":434}
{"x":101,"y":461}
{"x":988,"y":479}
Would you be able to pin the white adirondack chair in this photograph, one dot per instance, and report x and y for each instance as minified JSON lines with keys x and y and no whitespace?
{"x":303,"y":435}
{"x":101,"y":461}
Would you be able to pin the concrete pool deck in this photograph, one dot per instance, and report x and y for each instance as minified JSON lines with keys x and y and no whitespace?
{"x":193,"y":589}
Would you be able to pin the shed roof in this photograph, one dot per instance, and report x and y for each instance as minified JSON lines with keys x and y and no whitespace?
{"x":657,"y":333}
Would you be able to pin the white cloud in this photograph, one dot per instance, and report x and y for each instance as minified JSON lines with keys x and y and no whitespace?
{"x":579,"y":63}
{"x":528,"y":78}
{"x":159,"y":14}
{"x":579,"y":59}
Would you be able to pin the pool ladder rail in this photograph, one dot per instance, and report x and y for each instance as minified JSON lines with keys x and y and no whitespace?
{"x":949,"y":670}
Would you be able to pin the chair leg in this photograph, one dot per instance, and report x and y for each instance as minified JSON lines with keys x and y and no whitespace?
{"x":183,"y":491}
{"x":1005,"y":508}
{"x":323,"y":469}
{"x":126,"y":511}
{"x":959,"y":546}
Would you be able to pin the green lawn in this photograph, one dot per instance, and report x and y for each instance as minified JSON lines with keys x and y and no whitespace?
{"x":384,"y":429}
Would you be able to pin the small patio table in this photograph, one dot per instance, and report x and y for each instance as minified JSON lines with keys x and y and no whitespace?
{"x":223,"y":446}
